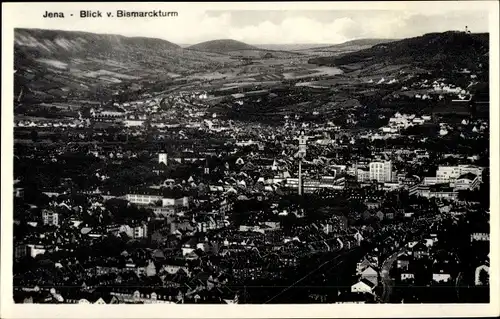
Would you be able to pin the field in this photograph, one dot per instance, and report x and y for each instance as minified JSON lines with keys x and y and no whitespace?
{"x":313,"y":72}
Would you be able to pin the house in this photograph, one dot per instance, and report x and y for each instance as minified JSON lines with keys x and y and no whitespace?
{"x":34,"y":250}
{"x":363,"y":286}
{"x":146,"y":296}
{"x":480,"y":236}
{"x":140,"y":231}
{"x":144,"y":196}
{"x":370,"y":274}
{"x":175,"y":199}
{"x":20,"y":251}
{"x":364,"y":264}
{"x":429,"y":242}
{"x":150,"y":269}
{"x":372,"y":205}
{"x":407,"y":276}
{"x":441,"y":276}
{"x":441,"y":272}
{"x":467,"y":181}
{"x":419,"y":251}
{"x":403,"y":261}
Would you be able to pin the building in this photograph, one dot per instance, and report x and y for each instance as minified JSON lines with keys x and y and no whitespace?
{"x":370,"y":274}
{"x":310,"y":185}
{"x":363,"y":175}
{"x":107,"y":114}
{"x":407,"y":276}
{"x":20,"y":251}
{"x":133,"y":123}
{"x":33,"y":250}
{"x":372,"y":205}
{"x":50,"y":218}
{"x":441,"y":276}
{"x":381,"y":171}
{"x":140,"y":231}
{"x":467,"y":181}
{"x":172,"y":200}
{"x":161,"y":211}
{"x":480,"y":236}
{"x":435,"y":191}
{"x":403,"y":262}
{"x":144,"y":197}
{"x":363,"y":286}
{"x":449,"y":174}
{"x":163,"y":158}
{"x":145,"y":298}
{"x":430,"y":180}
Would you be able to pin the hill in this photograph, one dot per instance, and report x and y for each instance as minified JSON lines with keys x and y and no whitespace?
{"x":434,"y":50}
{"x":53,"y":64}
{"x":291,"y":46}
{"x":221,"y":46}
{"x":74,"y":42}
{"x":358,"y":44}
{"x":342,"y":48}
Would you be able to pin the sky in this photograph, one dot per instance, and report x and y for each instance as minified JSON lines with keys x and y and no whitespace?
{"x":277,"y":26}
{"x":267,"y":27}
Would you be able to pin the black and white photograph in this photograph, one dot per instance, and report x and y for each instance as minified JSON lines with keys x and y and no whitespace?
{"x":281,"y":156}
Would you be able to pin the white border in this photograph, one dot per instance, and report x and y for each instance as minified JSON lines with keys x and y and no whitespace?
{"x":14,"y":14}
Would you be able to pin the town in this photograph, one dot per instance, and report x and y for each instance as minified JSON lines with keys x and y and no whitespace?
{"x":319,"y":187}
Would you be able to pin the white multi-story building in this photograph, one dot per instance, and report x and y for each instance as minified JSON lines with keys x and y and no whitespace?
{"x":476,"y":170}
{"x":467,"y":181}
{"x":143,"y":198}
{"x":175,"y":201}
{"x":381,"y":171}
{"x":363,"y":175}
{"x":449,"y":174}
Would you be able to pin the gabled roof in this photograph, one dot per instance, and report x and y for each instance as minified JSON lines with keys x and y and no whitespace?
{"x":365,"y":263}
{"x":370,"y":269}
{"x":366,"y":282}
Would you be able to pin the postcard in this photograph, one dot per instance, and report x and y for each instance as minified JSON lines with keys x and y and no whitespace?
{"x":247,"y":160}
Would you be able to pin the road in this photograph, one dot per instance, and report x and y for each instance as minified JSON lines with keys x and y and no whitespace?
{"x":387,"y":281}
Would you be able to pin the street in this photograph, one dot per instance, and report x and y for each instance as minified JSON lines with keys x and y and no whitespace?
{"x":387,"y":281}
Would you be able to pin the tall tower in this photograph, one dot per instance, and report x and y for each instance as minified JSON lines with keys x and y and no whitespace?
{"x":301,"y":154}
{"x":163,"y":158}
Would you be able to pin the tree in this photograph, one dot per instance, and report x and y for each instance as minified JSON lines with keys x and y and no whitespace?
{"x":34,"y":136}
{"x":484,"y":277}
{"x":110,"y":246}
{"x":123,"y":211}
